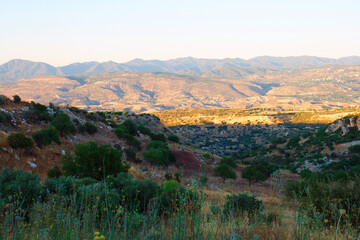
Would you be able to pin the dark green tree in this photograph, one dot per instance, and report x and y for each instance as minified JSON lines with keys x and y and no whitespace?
{"x":19,"y":140}
{"x":253,"y":174}
{"x":224,"y":171}
{"x":16,"y":98}
{"x":91,"y":160}
{"x":62,"y":123}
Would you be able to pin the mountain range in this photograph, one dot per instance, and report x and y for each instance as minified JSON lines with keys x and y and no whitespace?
{"x":224,"y":68}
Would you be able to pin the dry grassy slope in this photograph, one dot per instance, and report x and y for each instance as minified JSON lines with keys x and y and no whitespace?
{"x":148,"y":92}
{"x":233,"y":116}
{"x":189,"y":159}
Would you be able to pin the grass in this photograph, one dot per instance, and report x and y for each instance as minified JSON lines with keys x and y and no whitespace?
{"x":66,"y":218}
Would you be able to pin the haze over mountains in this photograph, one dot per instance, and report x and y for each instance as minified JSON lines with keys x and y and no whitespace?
{"x":224,"y":68}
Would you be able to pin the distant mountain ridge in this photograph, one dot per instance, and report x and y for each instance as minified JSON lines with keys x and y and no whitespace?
{"x":224,"y":68}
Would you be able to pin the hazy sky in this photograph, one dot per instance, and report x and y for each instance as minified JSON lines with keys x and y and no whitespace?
{"x":66,"y":31}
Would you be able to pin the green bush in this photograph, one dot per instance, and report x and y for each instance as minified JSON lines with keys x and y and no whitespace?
{"x":90,"y":128}
{"x":5,"y":118}
{"x":19,"y":140}
{"x":91,"y":160}
{"x":158,"y":137}
{"x":122,"y":132}
{"x":20,"y":187}
{"x":37,"y":112}
{"x":144,"y":130}
{"x":241,"y":204}
{"x":61,"y":185}
{"x":328,"y":199}
{"x":62,"y":123}
{"x":54,"y":172}
{"x":229,"y":161}
{"x":170,"y":184}
{"x":131,"y":154}
{"x":224,"y":171}
{"x":136,"y":194}
{"x":131,"y":127}
{"x":293,"y":143}
{"x":158,"y":153}
{"x":174,"y":138}
{"x":16,"y":98}
{"x":46,"y":136}
{"x":81,"y":128}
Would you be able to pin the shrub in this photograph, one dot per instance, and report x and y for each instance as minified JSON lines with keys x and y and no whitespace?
{"x":19,"y":140}
{"x":229,"y":161}
{"x":20,"y":187}
{"x":62,"y":123}
{"x":158,"y":153}
{"x":91,"y":160}
{"x":170,"y":184}
{"x":158,"y":137}
{"x":37,"y":112}
{"x":131,"y":127}
{"x":136,"y":194}
{"x":329,"y":199}
{"x":90,"y":128}
{"x":224,"y":171}
{"x":253,"y":173}
{"x":62,"y":185}
{"x":173,"y":138}
{"x":122,"y":132}
{"x":81,"y":128}
{"x":293,"y":143}
{"x":144,"y":130}
{"x":238,"y":205}
{"x":203,"y":179}
{"x":16,"y":98}
{"x":354,"y":149}
{"x":4,"y":118}
{"x":130,"y":154}
{"x":54,"y":172}
{"x":46,"y":136}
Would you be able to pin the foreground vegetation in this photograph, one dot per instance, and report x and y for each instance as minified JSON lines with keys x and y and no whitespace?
{"x":120,"y":207}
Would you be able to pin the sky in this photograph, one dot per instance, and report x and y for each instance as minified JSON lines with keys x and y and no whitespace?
{"x":62,"y":32}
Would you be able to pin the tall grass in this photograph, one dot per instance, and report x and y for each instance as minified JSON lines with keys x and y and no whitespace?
{"x":92,"y":217}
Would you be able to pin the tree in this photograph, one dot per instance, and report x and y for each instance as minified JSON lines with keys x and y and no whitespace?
{"x":91,"y":160}
{"x":253,"y":173}
{"x":229,"y":161}
{"x":62,"y":123}
{"x":224,"y":171}
{"x":16,"y":98}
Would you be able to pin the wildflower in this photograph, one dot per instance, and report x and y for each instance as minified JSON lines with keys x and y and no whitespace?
{"x":342,"y":211}
{"x":96,"y":233}
{"x":326,"y":221}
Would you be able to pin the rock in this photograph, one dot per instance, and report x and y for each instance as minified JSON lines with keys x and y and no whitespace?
{"x":63,"y":152}
{"x":32,"y":165}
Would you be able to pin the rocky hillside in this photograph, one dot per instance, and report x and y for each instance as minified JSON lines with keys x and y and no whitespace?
{"x":40,"y":156}
{"x":149,"y":92}
{"x":331,"y":149}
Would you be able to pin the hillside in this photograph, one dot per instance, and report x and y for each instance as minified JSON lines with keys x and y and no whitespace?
{"x":187,"y":189}
{"x":149,"y":92}
{"x":334,"y":147}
